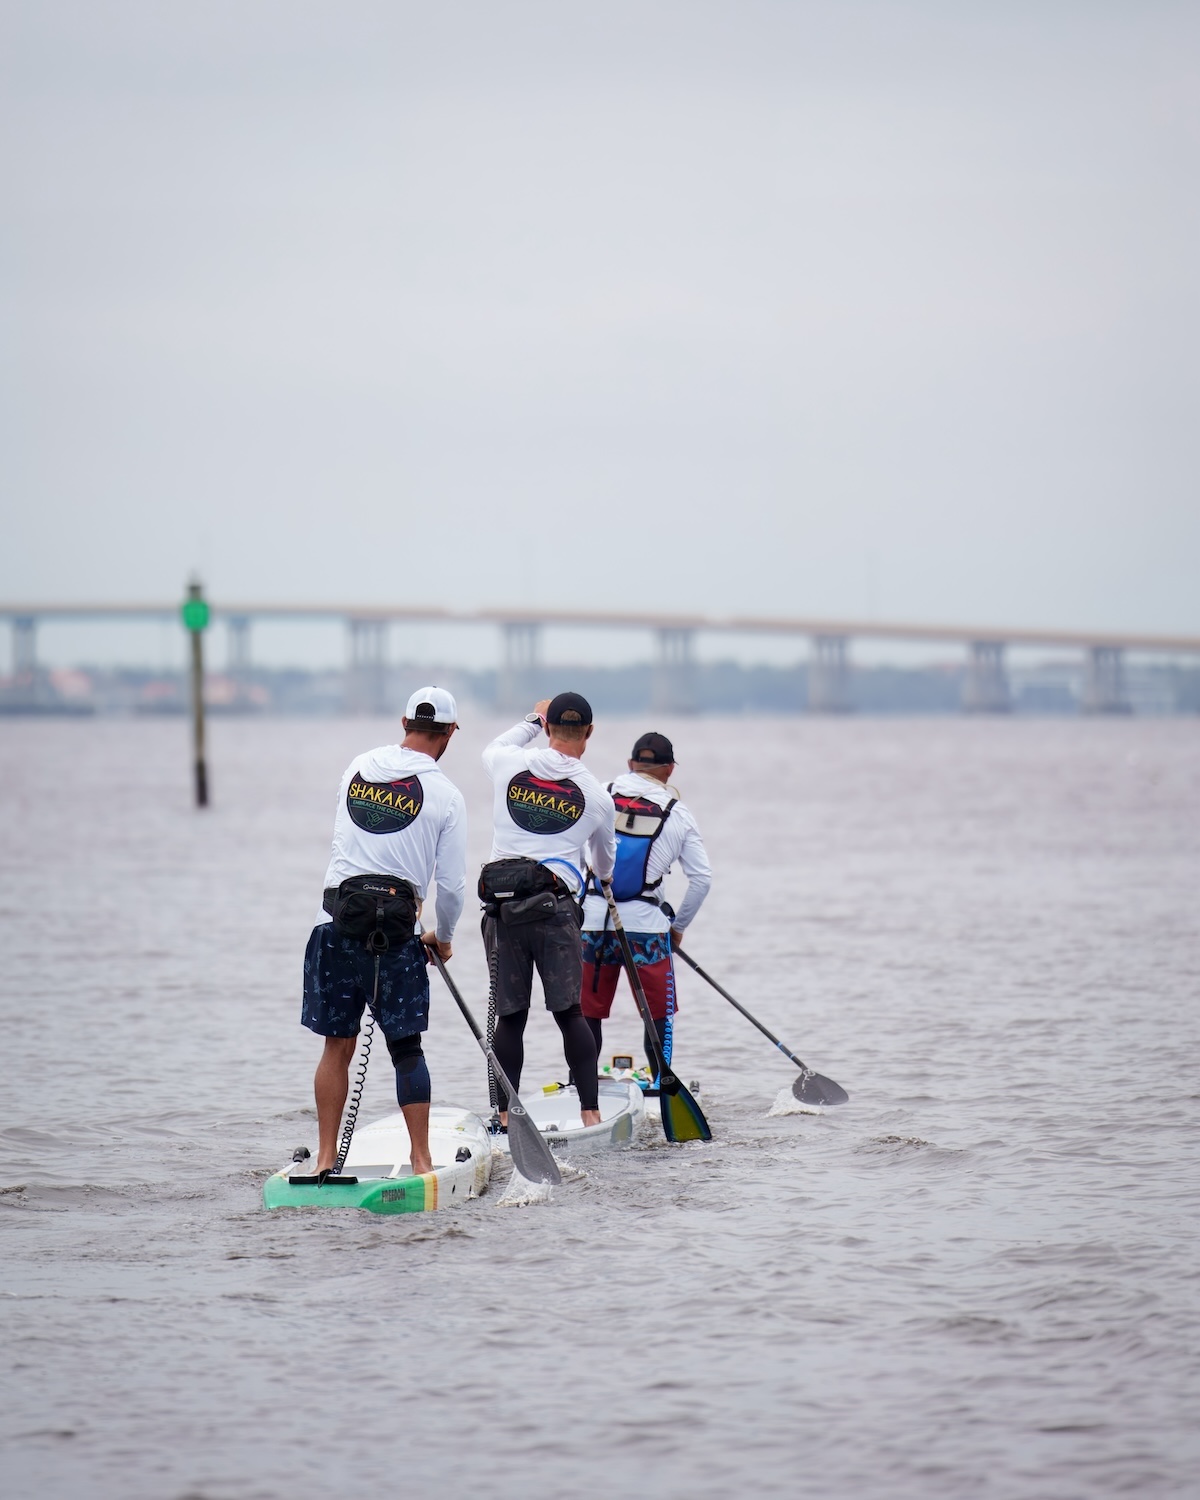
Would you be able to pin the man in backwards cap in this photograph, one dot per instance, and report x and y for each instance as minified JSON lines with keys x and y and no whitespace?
{"x":400,"y":826}
{"x":654,"y":829}
{"x":551,"y":818}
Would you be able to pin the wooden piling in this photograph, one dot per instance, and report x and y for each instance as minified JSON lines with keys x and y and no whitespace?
{"x":195,"y":618}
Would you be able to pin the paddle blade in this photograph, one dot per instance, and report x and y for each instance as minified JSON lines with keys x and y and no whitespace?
{"x":530,"y":1153}
{"x":815,"y":1088}
{"x":682,"y":1117}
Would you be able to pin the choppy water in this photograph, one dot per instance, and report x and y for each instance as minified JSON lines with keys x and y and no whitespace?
{"x":978,"y":1278}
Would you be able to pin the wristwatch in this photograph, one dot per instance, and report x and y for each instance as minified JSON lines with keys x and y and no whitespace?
{"x":534,"y":718}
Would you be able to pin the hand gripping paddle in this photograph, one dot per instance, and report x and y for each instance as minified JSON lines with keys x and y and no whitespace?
{"x":682,"y":1117}
{"x":810,"y":1087}
{"x":530,"y":1153}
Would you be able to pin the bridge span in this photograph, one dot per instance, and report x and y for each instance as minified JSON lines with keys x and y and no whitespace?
{"x":830,"y":690}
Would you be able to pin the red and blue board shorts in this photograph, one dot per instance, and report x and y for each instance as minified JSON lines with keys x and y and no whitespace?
{"x":651,"y":954}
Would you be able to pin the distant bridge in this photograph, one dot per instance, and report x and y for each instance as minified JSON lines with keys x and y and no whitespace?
{"x":986,"y":687}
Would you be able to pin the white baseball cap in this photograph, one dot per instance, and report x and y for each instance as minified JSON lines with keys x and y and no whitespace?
{"x":434,"y":704}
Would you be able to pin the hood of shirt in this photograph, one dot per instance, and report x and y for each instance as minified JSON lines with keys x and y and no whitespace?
{"x":552,"y":765}
{"x":393,"y":763}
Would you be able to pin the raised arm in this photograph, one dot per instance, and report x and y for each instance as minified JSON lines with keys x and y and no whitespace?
{"x":516,"y":738}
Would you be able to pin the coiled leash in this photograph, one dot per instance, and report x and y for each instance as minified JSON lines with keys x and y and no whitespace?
{"x":493,"y":1096}
{"x":377,"y":943}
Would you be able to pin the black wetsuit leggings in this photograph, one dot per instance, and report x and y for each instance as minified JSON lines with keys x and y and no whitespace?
{"x":579,"y":1049}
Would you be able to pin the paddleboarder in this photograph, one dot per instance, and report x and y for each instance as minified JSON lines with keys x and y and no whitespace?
{"x":654,"y":830}
{"x":551,"y":818}
{"x":400,"y":827}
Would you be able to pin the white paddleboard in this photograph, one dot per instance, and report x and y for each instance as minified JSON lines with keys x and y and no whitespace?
{"x":555,"y":1111}
{"x":380,"y":1158}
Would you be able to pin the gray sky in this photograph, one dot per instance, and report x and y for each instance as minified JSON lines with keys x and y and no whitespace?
{"x":826,"y":308}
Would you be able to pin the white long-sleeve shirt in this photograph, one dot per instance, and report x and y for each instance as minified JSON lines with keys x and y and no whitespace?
{"x":679,"y":840}
{"x":547,"y":804}
{"x":398,"y":814}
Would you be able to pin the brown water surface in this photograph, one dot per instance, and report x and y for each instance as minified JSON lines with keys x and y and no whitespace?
{"x":978,"y":1278}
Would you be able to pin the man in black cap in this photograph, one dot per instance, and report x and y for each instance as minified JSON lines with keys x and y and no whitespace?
{"x":654,"y":829}
{"x":551,"y":820}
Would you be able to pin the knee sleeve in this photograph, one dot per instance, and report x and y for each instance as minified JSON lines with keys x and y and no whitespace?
{"x":412,"y":1071}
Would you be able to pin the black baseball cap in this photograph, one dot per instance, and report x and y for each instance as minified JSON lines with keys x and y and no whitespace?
{"x":569,"y":708}
{"x":654,"y":750}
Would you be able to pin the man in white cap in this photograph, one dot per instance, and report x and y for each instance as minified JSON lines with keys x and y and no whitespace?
{"x":550,"y":819}
{"x":654,"y":830}
{"x":400,"y":827}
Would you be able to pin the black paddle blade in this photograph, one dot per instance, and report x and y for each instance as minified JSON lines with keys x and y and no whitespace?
{"x":682,"y":1117}
{"x":530,"y":1153}
{"x":815,"y":1088}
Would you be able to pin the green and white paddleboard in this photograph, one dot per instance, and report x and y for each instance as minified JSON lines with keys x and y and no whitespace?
{"x":380,"y":1159}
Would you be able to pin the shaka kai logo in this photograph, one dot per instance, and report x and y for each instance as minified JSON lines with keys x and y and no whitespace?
{"x":384,"y":806}
{"x":544,"y":806}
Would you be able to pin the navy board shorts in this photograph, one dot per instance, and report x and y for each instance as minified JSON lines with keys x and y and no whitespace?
{"x":339,"y":980}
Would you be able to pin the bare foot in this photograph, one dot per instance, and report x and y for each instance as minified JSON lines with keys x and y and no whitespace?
{"x":590,"y":1116}
{"x":421,"y":1165}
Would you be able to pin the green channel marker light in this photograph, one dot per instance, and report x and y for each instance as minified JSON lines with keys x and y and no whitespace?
{"x":195,"y":614}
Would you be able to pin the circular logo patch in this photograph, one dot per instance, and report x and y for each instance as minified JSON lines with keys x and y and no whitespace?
{"x":544,"y":806}
{"x":384,"y":806}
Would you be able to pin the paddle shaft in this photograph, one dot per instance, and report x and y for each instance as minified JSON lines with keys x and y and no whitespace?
{"x":682,"y":1117}
{"x":525,"y":1140}
{"x":635,"y":984}
{"x":493,"y":1063}
{"x":754,"y":1021}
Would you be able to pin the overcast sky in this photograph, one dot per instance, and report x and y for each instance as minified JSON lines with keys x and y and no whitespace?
{"x":825,"y":308}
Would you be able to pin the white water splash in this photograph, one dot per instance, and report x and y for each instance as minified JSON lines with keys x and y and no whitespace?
{"x":786,"y":1103}
{"x":521,"y":1193}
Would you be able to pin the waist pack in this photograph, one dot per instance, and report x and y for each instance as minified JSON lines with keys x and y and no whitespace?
{"x":377,"y":909}
{"x":519,"y":891}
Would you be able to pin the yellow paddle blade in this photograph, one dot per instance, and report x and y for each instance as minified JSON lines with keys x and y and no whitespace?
{"x":682,"y":1117}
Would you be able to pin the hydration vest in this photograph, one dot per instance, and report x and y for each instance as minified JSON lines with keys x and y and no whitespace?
{"x":639,"y":823}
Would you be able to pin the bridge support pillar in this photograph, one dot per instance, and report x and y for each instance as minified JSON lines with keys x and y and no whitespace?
{"x":829,"y":676}
{"x":1104,"y":681}
{"x":516,"y":684}
{"x":237,"y":629}
{"x":24,"y":660}
{"x":985,"y":688}
{"x":674,"y":690}
{"x":366,"y":681}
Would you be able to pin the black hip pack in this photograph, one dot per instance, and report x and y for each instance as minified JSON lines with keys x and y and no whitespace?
{"x":519,"y":891}
{"x":377,"y":909}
